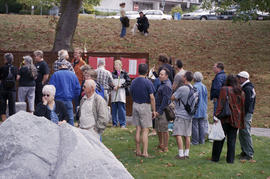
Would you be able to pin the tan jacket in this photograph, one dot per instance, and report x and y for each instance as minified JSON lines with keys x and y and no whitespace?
{"x":100,"y":111}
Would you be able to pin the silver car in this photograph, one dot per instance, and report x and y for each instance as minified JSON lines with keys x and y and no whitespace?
{"x":200,"y":14}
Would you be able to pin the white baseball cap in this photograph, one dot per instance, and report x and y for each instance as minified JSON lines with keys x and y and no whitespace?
{"x":243,"y":74}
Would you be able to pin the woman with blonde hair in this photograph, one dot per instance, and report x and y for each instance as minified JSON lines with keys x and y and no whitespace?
{"x":121,"y":82}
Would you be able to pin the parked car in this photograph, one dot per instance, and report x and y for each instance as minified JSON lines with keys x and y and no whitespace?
{"x":129,"y":14}
{"x":156,"y":15}
{"x":200,"y":14}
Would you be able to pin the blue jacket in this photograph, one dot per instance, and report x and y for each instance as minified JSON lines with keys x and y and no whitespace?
{"x":217,"y":83}
{"x":67,"y":85}
{"x":163,"y":96}
{"x":202,"y":105}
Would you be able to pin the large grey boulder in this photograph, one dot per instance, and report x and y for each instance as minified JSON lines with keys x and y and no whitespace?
{"x":34,"y":147}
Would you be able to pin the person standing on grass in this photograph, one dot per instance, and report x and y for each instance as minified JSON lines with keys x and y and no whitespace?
{"x":8,"y":74}
{"x":183,"y":122}
{"x":77,"y":63}
{"x":142,"y":92}
{"x":104,"y":77}
{"x":67,"y":88}
{"x":163,"y":99}
{"x":230,"y":125}
{"x":43,"y":75}
{"x":62,"y":59}
{"x":217,"y":83}
{"x":178,"y":79}
{"x":93,"y":110}
{"x":250,"y":99}
{"x":27,"y":75}
{"x":199,"y":121}
{"x":121,"y":81}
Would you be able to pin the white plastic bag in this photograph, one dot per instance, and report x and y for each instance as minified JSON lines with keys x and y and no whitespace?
{"x":217,"y":132}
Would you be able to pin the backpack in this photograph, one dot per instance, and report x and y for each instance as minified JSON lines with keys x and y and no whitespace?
{"x":191,"y":105}
{"x":9,"y":82}
{"x":125,"y":21}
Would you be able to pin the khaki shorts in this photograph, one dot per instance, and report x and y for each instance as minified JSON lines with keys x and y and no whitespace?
{"x":161,"y":123}
{"x":142,"y":115}
{"x":182,"y":127}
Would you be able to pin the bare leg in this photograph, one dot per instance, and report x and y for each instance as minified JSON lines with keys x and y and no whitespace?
{"x":166,"y":141}
{"x":187,"y":146}
{"x":137,"y":140}
{"x":179,"y":142}
{"x":145,"y":141}
{"x":160,"y":138}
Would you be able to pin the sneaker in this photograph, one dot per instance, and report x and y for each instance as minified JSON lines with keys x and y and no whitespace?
{"x":179,"y":158}
{"x":145,"y":34}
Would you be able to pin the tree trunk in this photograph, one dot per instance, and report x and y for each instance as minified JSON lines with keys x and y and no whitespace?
{"x":66,"y":25}
{"x":6,"y":5}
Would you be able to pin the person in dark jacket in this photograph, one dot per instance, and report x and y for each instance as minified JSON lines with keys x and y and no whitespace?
{"x":235,"y":121}
{"x":27,"y":75}
{"x":245,"y":134}
{"x":8,"y":74}
{"x":163,"y":62}
{"x":217,"y":83}
{"x":51,"y":109}
{"x":143,"y":24}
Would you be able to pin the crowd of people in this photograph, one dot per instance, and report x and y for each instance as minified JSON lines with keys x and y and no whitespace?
{"x":166,"y":85}
{"x":167,"y":89}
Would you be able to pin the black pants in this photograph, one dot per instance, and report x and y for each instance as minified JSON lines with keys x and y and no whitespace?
{"x":231,"y":134}
{"x":143,"y":28}
{"x":11,"y":97}
{"x":38,"y":93}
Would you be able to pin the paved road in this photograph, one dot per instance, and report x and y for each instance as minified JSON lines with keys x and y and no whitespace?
{"x":265,"y":132}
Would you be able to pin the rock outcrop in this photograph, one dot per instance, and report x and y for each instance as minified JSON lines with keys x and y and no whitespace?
{"x":34,"y":147}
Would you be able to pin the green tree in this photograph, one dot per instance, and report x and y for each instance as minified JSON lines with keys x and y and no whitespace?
{"x":68,"y":20}
{"x":242,"y":5}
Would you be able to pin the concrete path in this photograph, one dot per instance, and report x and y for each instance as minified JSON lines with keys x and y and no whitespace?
{"x":264,"y":132}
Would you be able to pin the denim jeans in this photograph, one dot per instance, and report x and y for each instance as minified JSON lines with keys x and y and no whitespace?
{"x":245,"y":136}
{"x":69,"y":108}
{"x":198,"y":131}
{"x":119,"y":113}
{"x":123,"y":31}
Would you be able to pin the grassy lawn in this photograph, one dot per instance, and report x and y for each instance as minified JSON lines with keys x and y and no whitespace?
{"x":241,"y":46}
{"x":121,"y":143}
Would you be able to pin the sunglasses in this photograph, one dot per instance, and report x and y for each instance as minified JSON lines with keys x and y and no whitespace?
{"x":46,"y":95}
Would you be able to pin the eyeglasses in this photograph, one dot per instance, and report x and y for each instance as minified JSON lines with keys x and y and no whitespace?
{"x":46,"y":95}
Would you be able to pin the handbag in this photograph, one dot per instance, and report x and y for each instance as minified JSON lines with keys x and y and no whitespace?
{"x":216,"y":132}
{"x":169,"y":112}
{"x":226,"y":111}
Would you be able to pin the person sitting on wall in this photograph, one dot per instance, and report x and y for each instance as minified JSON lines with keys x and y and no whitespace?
{"x":143,"y":24}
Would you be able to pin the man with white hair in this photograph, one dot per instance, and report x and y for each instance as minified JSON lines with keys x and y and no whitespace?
{"x":104,"y":77}
{"x":93,"y":110}
{"x":62,"y":58}
{"x":245,"y":134}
